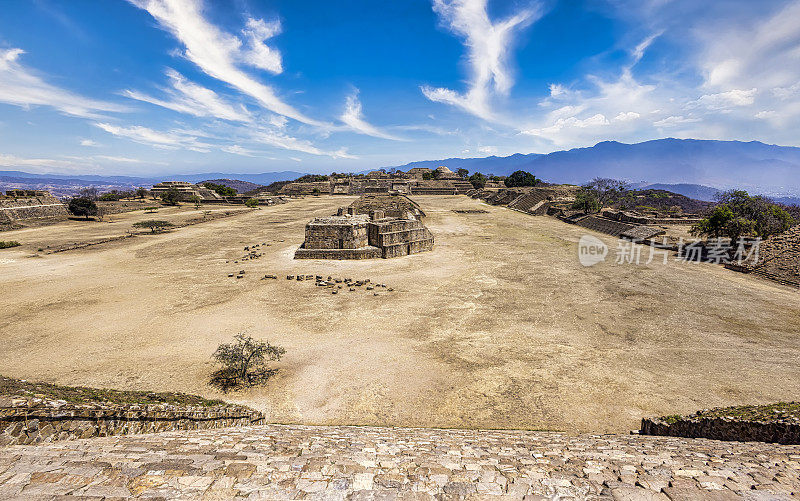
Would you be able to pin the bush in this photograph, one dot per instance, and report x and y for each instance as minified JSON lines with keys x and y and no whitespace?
{"x":9,"y":244}
{"x":221,"y":189}
{"x":586,"y":202}
{"x":252,"y":203}
{"x":110,"y":197}
{"x":521,"y":178}
{"x":154,"y":225}
{"x":244,"y":363}
{"x":171,"y":197}
{"x":738,"y":214}
{"x":478,"y":181}
{"x":82,"y":206}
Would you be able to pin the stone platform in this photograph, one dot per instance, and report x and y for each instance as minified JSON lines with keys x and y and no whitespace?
{"x":335,"y":463}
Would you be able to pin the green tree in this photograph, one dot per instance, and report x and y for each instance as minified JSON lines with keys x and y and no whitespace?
{"x":221,"y":189}
{"x":195,"y":200}
{"x":478,"y":181}
{"x":171,"y":197}
{"x":154,"y":225}
{"x":252,"y":203}
{"x":607,"y":191}
{"x":82,"y":206}
{"x":586,"y":202}
{"x":738,"y":214}
{"x":462,"y":173}
{"x":141,"y":192}
{"x":244,"y":363}
{"x":521,"y":178}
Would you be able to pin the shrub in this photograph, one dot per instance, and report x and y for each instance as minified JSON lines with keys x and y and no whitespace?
{"x":252,"y":203}
{"x":154,"y":225}
{"x":478,"y":181}
{"x":221,"y":189}
{"x":738,"y":214}
{"x":244,"y":363}
{"x":82,"y":206}
{"x":150,"y":210}
{"x":171,"y":197}
{"x":9,"y":244}
{"x":586,"y":202}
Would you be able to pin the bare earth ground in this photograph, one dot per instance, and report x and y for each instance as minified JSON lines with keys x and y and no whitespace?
{"x":499,"y":326}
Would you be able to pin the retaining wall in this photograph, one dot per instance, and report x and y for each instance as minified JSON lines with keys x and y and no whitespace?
{"x":36,"y":420}
{"x":15,"y":209}
{"x":724,"y":429}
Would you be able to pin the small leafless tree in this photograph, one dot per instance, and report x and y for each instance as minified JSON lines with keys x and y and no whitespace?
{"x":244,"y":363}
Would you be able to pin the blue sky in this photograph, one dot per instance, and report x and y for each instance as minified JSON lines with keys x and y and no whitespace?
{"x":145,"y":87}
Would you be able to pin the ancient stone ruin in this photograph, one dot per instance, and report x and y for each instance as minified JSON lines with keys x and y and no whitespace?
{"x":374,"y":226}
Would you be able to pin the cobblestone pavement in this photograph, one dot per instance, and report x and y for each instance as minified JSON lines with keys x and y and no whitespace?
{"x":333,"y":463}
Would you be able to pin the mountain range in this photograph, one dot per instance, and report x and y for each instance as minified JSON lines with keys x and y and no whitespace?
{"x":691,"y":167}
{"x":753,"y":166}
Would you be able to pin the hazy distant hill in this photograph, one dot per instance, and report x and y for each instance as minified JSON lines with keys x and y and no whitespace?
{"x":695,"y":191}
{"x":239,"y":186}
{"x":753,"y":166}
{"x":64,"y":185}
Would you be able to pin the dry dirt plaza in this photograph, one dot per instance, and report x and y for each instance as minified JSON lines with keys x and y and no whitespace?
{"x":498,"y":327}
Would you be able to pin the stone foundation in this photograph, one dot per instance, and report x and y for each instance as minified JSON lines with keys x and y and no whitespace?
{"x":362,"y":253}
{"x":724,"y":429}
{"x":37,"y":420}
{"x":42,"y":206}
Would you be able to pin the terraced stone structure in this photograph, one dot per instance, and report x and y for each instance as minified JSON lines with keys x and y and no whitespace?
{"x":392,"y":228}
{"x":18,"y":205}
{"x":337,"y":237}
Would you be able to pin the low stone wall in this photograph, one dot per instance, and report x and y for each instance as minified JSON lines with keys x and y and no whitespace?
{"x":724,"y":429}
{"x":362,"y":253}
{"x":25,"y":420}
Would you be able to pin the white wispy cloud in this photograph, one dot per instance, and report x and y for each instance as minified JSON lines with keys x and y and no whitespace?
{"x":672,"y":121}
{"x":725,"y":100}
{"x":20,"y":86}
{"x":145,"y":135}
{"x":488,"y":44}
{"x":40,"y":164}
{"x":125,"y":160}
{"x":193,"y":99}
{"x":284,"y":141}
{"x":219,"y":54}
{"x":258,"y":53}
{"x":90,"y":143}
{"x":354,"y":118}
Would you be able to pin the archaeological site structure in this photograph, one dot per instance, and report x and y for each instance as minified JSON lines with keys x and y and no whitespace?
{"x":377,"y":226}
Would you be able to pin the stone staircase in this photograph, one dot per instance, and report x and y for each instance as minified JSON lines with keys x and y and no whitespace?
{"x":368,"y":463}
{"x":602,"y":225}
{"x":529,"y":202}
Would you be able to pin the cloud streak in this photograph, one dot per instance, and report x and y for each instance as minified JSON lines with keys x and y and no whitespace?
{"x":19,"y":86}
{"x":353,"y":117}
{"x":218,"y":54}
{"x":488,"y":44}
{"x":192,"y":99}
